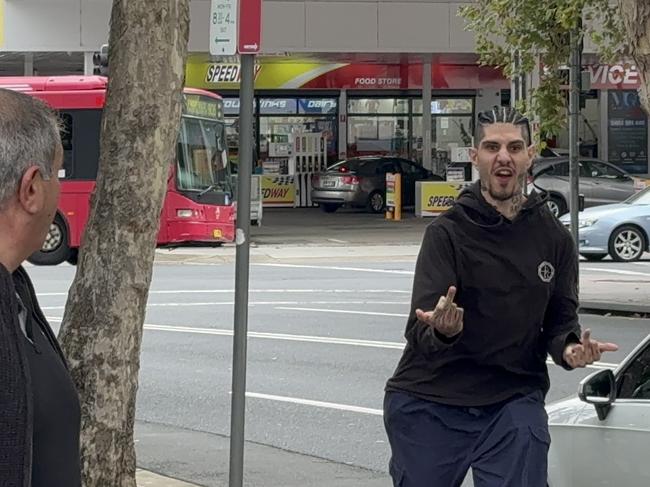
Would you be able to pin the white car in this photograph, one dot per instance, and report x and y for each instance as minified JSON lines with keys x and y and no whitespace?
{"x":602,"y":438}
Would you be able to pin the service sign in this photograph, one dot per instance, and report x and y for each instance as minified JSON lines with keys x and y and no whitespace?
{"x":434,"y":198}
{"x":390,"y":190}
{"x":278,"y":191}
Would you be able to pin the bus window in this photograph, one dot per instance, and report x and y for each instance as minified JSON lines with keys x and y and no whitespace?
{"x":87,"y":128}
{"x":201,"y":164}
{"x":66,"y":142}
{"x":80,"y":139}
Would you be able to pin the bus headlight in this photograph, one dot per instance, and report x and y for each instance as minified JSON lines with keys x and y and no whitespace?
{"x":184,"y":213}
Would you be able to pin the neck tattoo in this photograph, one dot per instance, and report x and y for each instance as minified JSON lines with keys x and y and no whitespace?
{"x":516,"y":203}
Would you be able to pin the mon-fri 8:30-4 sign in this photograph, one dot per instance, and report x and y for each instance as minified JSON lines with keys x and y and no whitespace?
{"x":235,"y":26}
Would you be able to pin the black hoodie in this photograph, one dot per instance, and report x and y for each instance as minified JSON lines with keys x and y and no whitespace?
{"x":516,"y":280}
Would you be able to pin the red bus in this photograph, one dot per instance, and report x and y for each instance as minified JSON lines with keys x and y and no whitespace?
{"x":198,"y":206}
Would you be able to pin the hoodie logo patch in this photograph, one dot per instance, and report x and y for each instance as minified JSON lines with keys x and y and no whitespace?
{"x":546,"y":271}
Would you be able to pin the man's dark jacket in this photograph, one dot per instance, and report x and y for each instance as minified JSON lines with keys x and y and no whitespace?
{"x":517,"y":282}
{"x":16,"y":407}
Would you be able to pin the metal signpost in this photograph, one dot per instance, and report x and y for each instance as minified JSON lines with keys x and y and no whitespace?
{"x":574,"y":113}
{"x":249,"y":20}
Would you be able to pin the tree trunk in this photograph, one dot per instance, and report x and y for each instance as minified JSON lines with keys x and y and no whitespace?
{"x":102,"y":325}
{"x":636,"y":19}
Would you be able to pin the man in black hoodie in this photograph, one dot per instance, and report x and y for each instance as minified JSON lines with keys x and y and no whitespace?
{"x":39,"y":406}
{"x":469,"y":389}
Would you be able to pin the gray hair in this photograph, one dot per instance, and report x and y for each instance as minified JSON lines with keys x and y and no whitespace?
{"x":502,"y":115}
{"x":29,"y":136}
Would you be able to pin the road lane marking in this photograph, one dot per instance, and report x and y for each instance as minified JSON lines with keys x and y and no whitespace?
{"x":318,"y":404}
{"x":251,"y":303}
{"x":305,"y":338}
{"x":337,"y":268}
{"x":281,"y":336}
{"x":273,"y":336}
{"x":342,"y":311}
{"x":617,"y":271}
{"x":264,"y":291}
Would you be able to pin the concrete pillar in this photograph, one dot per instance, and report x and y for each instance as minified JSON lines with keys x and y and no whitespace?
{"x":426,"y":114}
{"x":343,"y":124}
{"x":88,"y":63}
{"x":28,"y":64}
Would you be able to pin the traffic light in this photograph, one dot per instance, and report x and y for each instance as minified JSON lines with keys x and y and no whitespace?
{"x":100,"y":60}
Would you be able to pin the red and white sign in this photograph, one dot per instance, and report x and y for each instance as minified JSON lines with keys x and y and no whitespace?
{"x":250,"y":26}
{"x":606,"y":76}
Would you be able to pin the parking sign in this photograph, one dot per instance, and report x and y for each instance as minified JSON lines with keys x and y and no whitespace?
{"x":223,"y":27}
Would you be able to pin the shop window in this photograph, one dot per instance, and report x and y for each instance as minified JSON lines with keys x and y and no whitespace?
{"x":447,"y":106}
{"x":384,"y":106}
{"x":379,"y":135}
{"x":278,"y":129}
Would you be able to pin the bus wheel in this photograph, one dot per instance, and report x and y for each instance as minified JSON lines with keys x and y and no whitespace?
{"x":55,"y":249}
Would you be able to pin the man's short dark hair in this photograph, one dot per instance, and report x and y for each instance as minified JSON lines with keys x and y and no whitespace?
{"x":502,"y":115}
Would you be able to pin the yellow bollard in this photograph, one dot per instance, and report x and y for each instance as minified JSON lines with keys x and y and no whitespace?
{"x":398,"y":197}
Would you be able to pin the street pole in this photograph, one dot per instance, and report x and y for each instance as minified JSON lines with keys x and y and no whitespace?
{"x":246,"y":142}
{"x":574,"y":112}
{"x":516,"y":80}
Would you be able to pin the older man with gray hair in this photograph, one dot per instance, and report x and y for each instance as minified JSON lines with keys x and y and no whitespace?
{"x":39,"y":406}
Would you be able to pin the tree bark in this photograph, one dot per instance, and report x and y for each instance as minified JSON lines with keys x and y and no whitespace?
{"x":636,"y":19}
{"x":102,"y":325}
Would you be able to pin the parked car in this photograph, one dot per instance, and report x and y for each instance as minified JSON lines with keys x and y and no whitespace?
{"x":602,"y":436}
{"x":361,"y":182}
{"x":620,"y":230}
{"x":600,"y":182}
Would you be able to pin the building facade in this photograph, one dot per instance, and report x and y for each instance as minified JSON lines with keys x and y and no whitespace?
{"x":358,"y":72}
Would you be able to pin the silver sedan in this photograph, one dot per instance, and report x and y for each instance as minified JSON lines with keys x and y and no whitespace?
{"x":601,"y":438}
{"x":601,"y":183}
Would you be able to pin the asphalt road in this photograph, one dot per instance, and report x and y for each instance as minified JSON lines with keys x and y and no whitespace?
{"x":324,"y":338}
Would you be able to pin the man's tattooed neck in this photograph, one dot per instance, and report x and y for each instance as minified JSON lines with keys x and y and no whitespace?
{"x":516,"y":203}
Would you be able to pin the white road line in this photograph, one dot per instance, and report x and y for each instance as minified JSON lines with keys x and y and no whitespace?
{"x":318,"y":404}
{"x":305,"y":338}
{"x":343,"y":311}
{"x":337,"y":268}
{"x":617,"y":271}
{"x":265,"y":291}
{"x":251,"y":303}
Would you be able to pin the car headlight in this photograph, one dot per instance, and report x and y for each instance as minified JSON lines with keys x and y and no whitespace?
{"x":587,"y":223}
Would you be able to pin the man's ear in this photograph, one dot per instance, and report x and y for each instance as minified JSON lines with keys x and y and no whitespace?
{"x":532,"y":152}
{"x":473,"y":155}
{"x":31,"y":190}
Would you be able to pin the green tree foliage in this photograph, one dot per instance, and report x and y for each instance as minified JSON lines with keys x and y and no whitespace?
{"x":539,"y":33}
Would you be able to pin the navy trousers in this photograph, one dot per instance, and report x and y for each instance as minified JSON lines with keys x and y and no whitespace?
{"x":434,"y":445}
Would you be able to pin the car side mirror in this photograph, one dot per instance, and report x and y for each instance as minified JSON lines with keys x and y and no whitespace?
{"x":599,"y":389}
